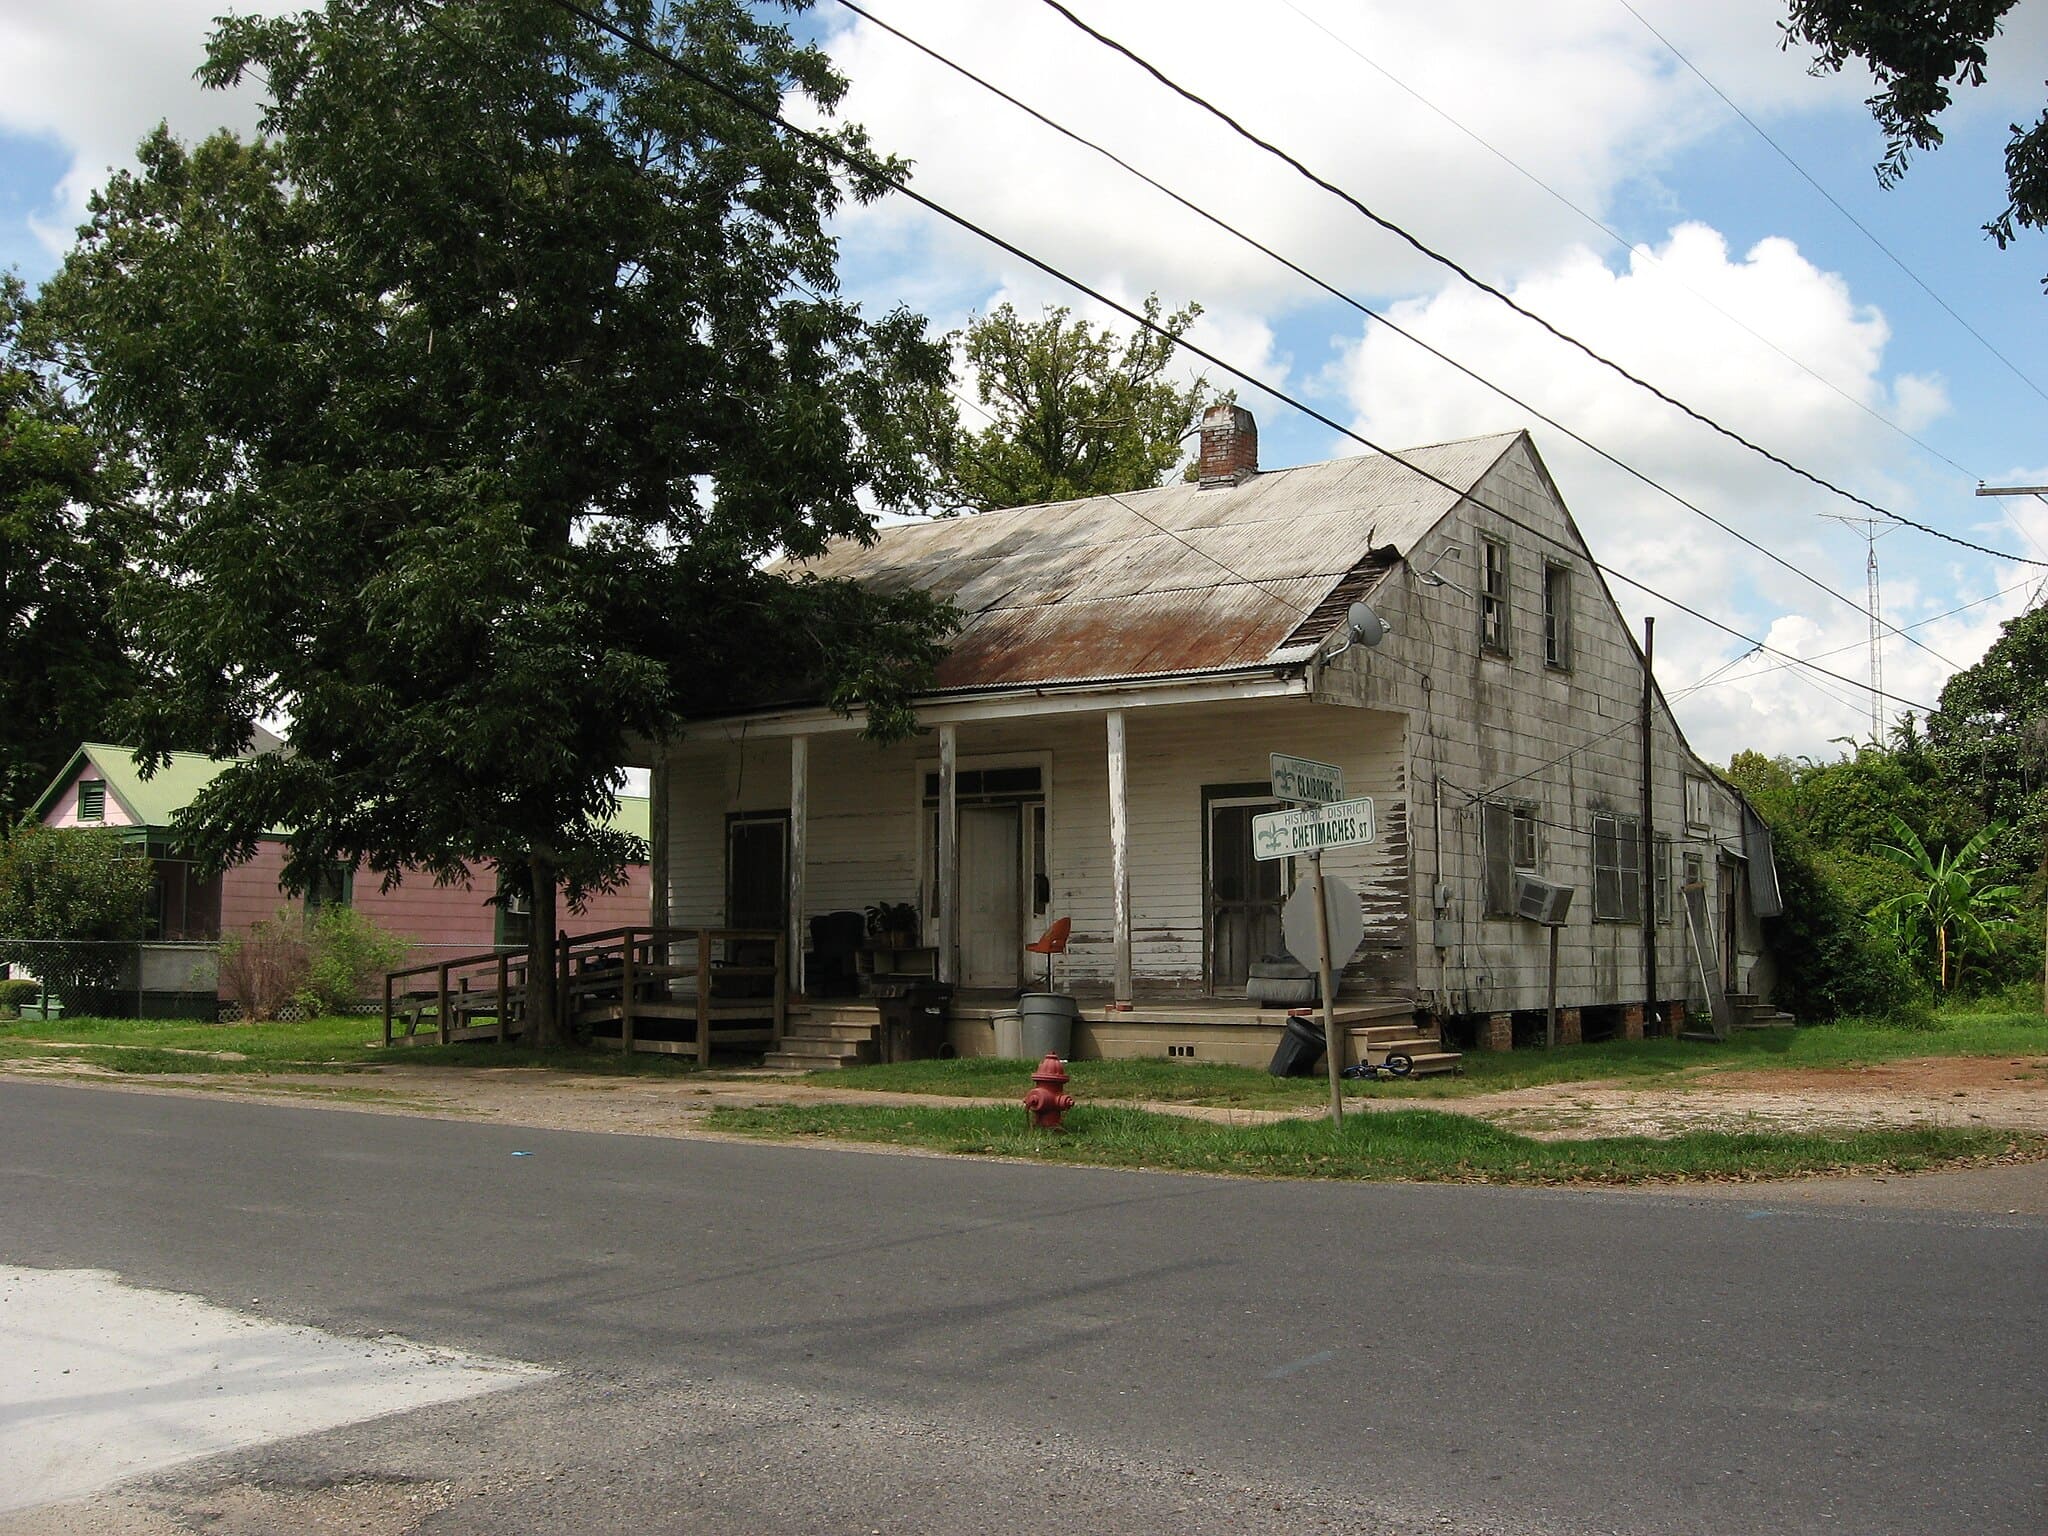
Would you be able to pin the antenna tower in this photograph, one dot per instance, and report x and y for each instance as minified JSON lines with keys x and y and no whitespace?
{"x":1872,"y":530}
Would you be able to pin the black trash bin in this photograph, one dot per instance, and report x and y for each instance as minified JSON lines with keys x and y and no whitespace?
{"x":915,"y":1016}
{"x":1301,"y":1047}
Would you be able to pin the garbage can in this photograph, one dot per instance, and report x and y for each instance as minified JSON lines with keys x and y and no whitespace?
{"x":1301,"y":1047}
{"x":1009,"y":1035}
{"x":915,"y":1016}
{"x":1047,"y":1020}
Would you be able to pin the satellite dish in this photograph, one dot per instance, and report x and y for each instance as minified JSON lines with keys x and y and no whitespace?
{"x":1367,"y":627}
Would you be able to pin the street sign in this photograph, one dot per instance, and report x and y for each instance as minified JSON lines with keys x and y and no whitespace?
{"x":1305,"y":779}
{"x":1284,"y":834}
{"x":1344,"y":920}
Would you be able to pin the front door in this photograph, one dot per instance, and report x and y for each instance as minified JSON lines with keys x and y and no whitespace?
{"x":1245,"y":894}
{"x":991,"y":884}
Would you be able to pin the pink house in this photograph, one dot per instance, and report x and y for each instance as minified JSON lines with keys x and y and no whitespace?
{"x":189,"y":912}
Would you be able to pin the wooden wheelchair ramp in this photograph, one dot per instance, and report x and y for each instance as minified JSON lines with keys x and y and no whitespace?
{"x":671,"y":990}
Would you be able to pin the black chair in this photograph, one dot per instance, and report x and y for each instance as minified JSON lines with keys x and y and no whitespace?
{"x":831,"y":964}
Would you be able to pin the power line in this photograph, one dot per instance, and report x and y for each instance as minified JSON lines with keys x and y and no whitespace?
{"x":879,"y":173}
{"x":1620,"y":239}
{"x":1417,"y":244}
{"x":1386,"y":320}
{"x":1784,"y":155}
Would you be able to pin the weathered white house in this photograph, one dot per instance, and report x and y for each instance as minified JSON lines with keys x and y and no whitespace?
{"x":1098,"y":742}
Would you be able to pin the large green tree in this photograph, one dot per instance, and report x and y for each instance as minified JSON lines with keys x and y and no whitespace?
{"x":1071,"y":410}
{"x":1919,"y":51}
{"x":1989,"y":734}
{"x":474,"y":396}
{"x":66,"y":523}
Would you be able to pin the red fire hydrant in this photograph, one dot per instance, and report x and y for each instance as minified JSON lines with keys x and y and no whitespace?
{"x":1045,"y":1102}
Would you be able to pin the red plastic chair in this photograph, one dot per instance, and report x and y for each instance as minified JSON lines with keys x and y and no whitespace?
{"x":1052,"y":942}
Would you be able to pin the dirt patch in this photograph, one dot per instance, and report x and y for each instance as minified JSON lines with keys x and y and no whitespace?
{"x":2003,"y":1093}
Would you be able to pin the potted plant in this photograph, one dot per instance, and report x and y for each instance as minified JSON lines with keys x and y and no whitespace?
{"x":893,"y":924}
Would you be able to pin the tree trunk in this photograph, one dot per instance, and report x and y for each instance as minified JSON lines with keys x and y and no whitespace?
{"x":1941,"y":951}
{"x":544,"y":1002}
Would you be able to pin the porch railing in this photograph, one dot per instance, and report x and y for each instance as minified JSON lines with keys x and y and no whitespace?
{"x":675,"y":990}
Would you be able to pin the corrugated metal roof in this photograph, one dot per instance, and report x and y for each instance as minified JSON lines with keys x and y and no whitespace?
{"x":1177,"y":579}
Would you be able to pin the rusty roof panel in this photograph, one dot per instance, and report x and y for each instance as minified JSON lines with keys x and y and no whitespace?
{"x":1176,"y":579}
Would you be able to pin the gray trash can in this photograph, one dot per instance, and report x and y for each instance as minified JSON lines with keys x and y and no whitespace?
{"x":1047,"y":1021}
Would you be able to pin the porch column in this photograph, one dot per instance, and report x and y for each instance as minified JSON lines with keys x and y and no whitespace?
{"x":1120,"y":854}
{"x":799,"y":839}
{"x":948,"y":893}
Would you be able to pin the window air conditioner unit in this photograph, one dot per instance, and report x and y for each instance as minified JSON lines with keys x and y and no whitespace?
{"x":519,"y":906}
{"x":1542,"y":901}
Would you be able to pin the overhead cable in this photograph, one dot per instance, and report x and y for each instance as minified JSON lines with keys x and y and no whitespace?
{"x":1451,"y":264}
{"x":869,"y":168}
{"x":1390,"y":323}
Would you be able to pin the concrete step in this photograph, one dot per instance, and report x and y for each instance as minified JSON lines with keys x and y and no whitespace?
{"x":824,"y":1051}
{"x":1767,"y":1019}
{"x":834,"y":1013}
{"x":813,"y":1029}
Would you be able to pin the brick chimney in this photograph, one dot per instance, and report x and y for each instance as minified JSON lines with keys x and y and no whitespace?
{"x":1230,"y":446}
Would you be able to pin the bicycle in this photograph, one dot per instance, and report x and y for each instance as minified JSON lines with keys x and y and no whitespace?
{"x":1393,"y":1064}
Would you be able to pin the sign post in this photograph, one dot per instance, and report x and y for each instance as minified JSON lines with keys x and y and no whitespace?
{"x":1323,"y":980}
{"x":1328,"y":821}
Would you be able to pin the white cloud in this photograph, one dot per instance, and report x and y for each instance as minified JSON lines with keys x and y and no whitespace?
{"x":97,"y":75}
{"x":1651,"y":318}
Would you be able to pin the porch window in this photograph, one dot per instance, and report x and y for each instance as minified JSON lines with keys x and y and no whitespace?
{"x":1509,"y":847}
{"x":1617,"y":869}
{"x":1493,"y":597}
{"x":92,"y":799}
{"x":757,"y":870}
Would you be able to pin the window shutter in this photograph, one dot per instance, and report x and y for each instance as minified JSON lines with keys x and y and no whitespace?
{"x":1496,"y":844}
{"x":92,"y":800}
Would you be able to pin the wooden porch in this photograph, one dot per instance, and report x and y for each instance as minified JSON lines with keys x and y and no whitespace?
{"x":666,"y":990}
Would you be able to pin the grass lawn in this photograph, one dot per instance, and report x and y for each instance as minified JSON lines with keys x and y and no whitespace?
{"x":1850,"y":1043}
{"x":1404,"y":1144}
{"x":317,"y":1045}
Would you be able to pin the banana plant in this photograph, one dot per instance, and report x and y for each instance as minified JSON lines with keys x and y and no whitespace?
{"x":1955,"y":911}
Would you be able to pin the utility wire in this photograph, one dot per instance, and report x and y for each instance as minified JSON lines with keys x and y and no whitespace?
{"x":1757,"y":128}
{"x":1391,"y":324}
{"x":867,"y":168}
{"x":1417,"y":244}
{"x":1620,"y":239}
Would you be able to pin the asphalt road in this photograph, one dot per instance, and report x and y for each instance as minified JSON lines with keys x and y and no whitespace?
{"x":766,"y":1339}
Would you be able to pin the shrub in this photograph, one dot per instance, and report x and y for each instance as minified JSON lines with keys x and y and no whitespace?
{"x":347,"y":954}
{"x":266,"y":968}
{"x":1829,"y":962}
{"x":78,"y":898}
{"x":14,"y":993}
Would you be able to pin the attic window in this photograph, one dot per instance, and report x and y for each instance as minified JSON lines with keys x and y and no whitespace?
{"x":1493,"y":597}
{"x":92,"y":799}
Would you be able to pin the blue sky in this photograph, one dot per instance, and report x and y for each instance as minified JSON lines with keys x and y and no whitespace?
{"x":1582,"y":95}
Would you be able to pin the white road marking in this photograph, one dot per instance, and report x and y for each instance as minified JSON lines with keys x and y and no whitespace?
{"x":101,"y":1381}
